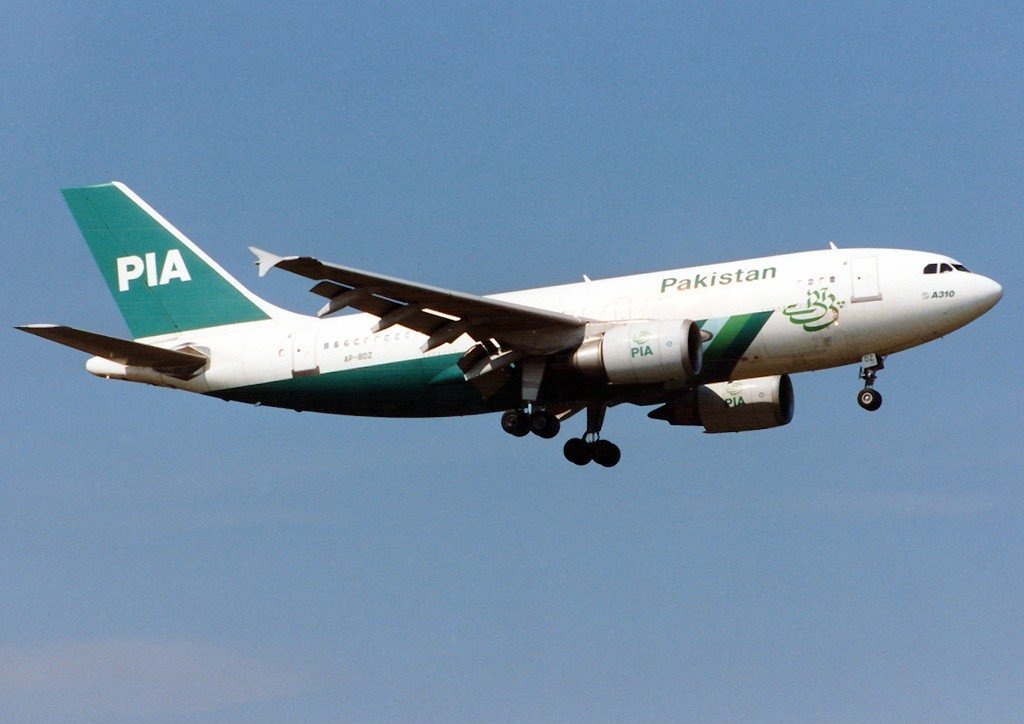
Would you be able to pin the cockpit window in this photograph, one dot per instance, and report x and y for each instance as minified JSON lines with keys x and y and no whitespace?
{"x":943,"y":268}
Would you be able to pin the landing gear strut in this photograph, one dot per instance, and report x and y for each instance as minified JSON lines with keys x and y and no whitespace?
{"x":581,"y":450}
{"x":869,"y":398}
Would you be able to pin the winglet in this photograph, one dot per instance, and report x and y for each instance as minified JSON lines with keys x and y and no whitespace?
{"x":266,"y":261}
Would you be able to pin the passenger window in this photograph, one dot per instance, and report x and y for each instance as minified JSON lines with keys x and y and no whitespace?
{"x":931,"y":268}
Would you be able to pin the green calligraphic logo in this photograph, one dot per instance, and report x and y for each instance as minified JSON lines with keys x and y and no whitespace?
{"x":819,"y":312}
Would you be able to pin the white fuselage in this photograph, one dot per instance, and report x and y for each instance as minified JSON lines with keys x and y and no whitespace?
{"x":827,"y":308}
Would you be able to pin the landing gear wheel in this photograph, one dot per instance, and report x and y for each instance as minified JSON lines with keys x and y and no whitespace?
{"x":605,"y":453}
{"x":869,"y":399}
{"x":578,"y":451}
{"x":870,"y":365}
{"x":516,"y":422}
{"x":544,"y":424}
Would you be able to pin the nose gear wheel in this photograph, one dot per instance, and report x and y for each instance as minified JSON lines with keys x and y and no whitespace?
{"x":869,"y":398}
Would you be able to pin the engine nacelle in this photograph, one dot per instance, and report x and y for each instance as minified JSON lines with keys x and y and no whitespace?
{"x":643,"y":353}
{"x":738,"y":406}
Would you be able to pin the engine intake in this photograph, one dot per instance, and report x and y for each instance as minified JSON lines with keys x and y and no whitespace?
{"x":758,"y":403}
{"x":643,"y":353}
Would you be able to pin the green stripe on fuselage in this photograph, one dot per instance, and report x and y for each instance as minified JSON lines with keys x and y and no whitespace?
{"x":729,"y":345}
{"x":422,"y":387}
{"x":435,"y":386}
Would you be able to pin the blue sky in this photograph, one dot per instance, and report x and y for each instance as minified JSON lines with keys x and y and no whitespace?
{"x":166,"y":557}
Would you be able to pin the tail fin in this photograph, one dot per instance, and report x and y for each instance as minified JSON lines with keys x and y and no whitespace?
{"x":161,"y":281}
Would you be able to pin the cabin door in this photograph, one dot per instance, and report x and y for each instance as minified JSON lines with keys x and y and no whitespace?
{"x":304,"y":352}
{"x":864,"y":273}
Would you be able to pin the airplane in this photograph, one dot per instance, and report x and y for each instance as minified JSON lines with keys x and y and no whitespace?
{"x":711,"y":346}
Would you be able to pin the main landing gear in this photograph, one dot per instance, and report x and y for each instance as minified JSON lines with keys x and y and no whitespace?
{"x":521,"y":422}
{"x":581,"y":450}
{"x":869,"y":398}
{"x":537,"y":420}
{"x":544,"y":423}
{"x":578,"y":450}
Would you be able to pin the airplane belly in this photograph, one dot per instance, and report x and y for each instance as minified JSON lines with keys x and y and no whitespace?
{"x":395,"y":389}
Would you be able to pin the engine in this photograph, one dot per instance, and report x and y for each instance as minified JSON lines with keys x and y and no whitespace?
{"x":642,"y":353}
{"x":755,"y":404}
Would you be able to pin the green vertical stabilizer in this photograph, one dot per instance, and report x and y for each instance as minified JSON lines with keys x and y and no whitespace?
{"x":161,"y":281}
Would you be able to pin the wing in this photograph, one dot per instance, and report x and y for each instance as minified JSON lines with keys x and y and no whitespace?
{"x":441,"y":314}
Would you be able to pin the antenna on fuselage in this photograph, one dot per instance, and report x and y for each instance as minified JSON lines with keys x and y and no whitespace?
{"x":832,"y":245}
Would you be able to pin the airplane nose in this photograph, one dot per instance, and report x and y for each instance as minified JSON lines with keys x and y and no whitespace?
{"x":989,"y":293}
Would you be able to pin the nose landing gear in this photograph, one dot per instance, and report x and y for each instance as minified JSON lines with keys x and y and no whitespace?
{"x":869,"y":398}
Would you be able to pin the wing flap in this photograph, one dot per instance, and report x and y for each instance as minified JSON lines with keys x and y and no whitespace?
{"x":483,"y":318}
{"x":412,"y":316}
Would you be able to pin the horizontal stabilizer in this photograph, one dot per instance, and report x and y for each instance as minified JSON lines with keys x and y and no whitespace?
{"x":121,"y":351}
